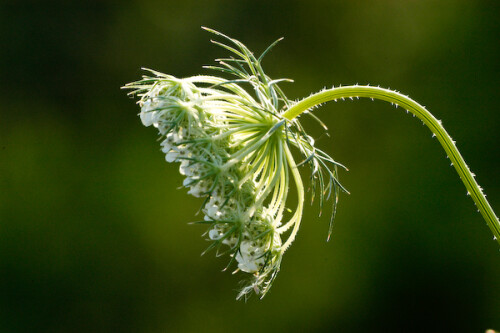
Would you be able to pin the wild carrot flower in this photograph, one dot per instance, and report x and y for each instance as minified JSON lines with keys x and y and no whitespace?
{"x":235,"y":150}
{"x":236,"y":141}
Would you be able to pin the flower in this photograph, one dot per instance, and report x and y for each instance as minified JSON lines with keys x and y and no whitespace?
{"x":235,"y":150}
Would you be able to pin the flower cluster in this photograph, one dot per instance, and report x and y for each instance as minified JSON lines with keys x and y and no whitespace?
{"x":233,"y":148}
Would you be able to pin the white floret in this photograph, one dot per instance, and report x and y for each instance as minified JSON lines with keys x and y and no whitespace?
{"x":215,"y":234}
{"x":185,"y":169}
{"x":213,"y":212}
{"x":250,"y":257}
{"x":147,"y":115}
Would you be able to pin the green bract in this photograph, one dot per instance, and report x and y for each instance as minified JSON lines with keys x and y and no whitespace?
{"x":235,"y":150}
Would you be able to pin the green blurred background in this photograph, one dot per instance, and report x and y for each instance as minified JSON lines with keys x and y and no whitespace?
{"x":93,"y":225}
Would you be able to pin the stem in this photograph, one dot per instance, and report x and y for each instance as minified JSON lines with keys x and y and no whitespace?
{"x":427,"y":118}
{"x":300,"y":198}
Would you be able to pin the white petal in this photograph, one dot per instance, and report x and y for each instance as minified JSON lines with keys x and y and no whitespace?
{"x":184,"y":168}
{"x":212,"y":211}
{"x":148,"y":117}
{"x":187,"y":181}
{"x":214,"y":234}
{"x":194,"y":191}
{"x":166,"y":147}
{"x":171,"y":156}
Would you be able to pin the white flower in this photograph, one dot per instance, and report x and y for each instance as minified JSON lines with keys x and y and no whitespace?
{"x":212,"y":212}
{"x":148,"y":118}
{"x":250,"y":257}
{"x":172,"y":156}
{"x":215,"y":234}
{"x":185,"y":168}
{"x":234,"y":149}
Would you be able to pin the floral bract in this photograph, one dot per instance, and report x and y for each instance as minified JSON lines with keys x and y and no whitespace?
{"x":235,"y":151}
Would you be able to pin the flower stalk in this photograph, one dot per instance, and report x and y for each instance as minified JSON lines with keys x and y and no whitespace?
{"x":437,"y":129}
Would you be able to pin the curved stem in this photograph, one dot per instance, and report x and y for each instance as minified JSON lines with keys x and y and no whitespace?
{"x":300,"y":198}
{"x":428,"y":119}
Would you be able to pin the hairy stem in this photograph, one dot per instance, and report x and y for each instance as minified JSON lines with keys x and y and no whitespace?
{"x":428,"y":119}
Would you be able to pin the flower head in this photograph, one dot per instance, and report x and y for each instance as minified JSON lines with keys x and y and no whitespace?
{"x":235,"y":150}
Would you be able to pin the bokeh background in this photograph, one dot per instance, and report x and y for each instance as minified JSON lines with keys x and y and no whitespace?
{"x":93,"y":225}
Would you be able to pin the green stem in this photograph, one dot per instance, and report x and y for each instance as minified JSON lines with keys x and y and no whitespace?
{"x":300,"y":198}
{"x":428,"y":119}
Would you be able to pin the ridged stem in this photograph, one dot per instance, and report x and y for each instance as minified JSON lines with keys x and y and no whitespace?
{"x":428,"y":119}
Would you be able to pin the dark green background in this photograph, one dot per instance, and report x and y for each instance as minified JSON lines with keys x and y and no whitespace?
{"x":93,"y":227}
